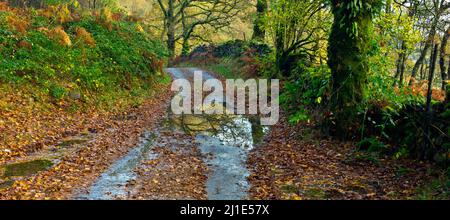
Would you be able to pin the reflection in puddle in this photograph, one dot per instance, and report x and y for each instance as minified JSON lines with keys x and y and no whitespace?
{"x":225,"y":140}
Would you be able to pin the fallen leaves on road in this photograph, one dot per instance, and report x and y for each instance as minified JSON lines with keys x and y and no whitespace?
{"x":114,"y":137}
{"x":297,"y":163}
{"x":176,"y":173}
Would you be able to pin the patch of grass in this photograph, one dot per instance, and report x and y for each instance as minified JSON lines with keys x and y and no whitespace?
{"x":368,"y":157}
{"x":315,"y":194}
{"x":229,"y":68}
{"x":26,"y":168}
{"x":371,"y":145}
{"x":58,"y":92}
{"x":71,"y":142}
{"x":289,"y":189}
{"x":165,"y":79}
{"x":437,"y":189}
{"x":222,"y":69}
{"x":401,"y":171}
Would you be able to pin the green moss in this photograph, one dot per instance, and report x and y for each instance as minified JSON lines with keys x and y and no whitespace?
{"x":71,"y":142}
{"x":26,"y":168}
{"x":289,"y":189}
{"x":348,"y":60}
{"x":315,"y":194}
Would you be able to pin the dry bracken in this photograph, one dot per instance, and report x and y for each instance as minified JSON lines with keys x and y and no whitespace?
{"x":82,"y":36}
{"x":59,"y":35}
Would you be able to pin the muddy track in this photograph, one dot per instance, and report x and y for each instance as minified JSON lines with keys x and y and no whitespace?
{"x":185,"y":157}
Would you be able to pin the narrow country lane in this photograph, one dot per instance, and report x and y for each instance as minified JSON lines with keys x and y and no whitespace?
{"x":185,"y":157}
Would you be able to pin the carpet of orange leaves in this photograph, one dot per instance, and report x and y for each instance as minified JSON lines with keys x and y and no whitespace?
{"x":298,"y":163}
{"x":29,"y":130}
{"x":177,"y":173}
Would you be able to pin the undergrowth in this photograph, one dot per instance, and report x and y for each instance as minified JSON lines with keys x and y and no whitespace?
{"x":75,"y":58}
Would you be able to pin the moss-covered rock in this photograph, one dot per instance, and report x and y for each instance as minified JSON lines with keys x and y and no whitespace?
{"x":26,"y":168}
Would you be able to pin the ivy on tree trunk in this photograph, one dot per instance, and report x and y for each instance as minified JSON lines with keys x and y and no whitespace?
{"x":348,"y":47}
{"x":259,"y":32}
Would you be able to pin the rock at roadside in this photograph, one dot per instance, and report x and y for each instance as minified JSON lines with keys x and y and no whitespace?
{"x":75,"y":95}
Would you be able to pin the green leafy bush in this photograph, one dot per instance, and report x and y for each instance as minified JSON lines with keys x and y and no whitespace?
{"x":371,"y":145}
{"x":307,"y":91}
{"x":58,"y":92}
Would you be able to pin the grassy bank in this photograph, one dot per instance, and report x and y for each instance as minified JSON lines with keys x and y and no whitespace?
{"x":60,"y":67}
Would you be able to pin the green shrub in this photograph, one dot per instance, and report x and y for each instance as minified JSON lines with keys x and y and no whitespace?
{"x":307,"y":91}
{"x":58,"y":92}
{"x":371,"y":145}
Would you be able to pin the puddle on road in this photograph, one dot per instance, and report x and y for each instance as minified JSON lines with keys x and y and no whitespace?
{"x":229,"y":148}
{"x":224,"y":140}
{"x":12,"y":172}
{"x":41,"y":160}
{"x":26,"y":168}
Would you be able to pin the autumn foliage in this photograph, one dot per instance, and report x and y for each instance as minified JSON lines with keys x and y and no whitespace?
{"x":421,"y":89}
{"x":84,"y":37}
{"x":18,"y":24}
{"x":64,"y":63}
{"x":60,"y":36}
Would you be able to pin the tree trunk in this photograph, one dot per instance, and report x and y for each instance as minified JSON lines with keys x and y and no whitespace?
{"x":259,"y":32}
{"x":279,"y":48}
{"x":421,"y":71}
{"x":424,"y":152}
{"x":401,"y":65}
{"x":448,"y":73}
{"x":171,"y":30}
{"x":428,"y":44}
{"x":402,"y":69}
{"x":186,"y":47}
{"x":442,"y":57}
{"x":348,"y":63}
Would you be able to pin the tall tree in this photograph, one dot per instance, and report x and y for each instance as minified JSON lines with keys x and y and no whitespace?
{"x":259,"y":32}
{"x":182,"y":17}
{"x":404,"y":37}
{"x":298,"y":29}
{"x":424,"y":152}
{"x":437,"y":9}
{"x":348,"y":47}
{"x":216,"y":14}
{"x":442,"y":56}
